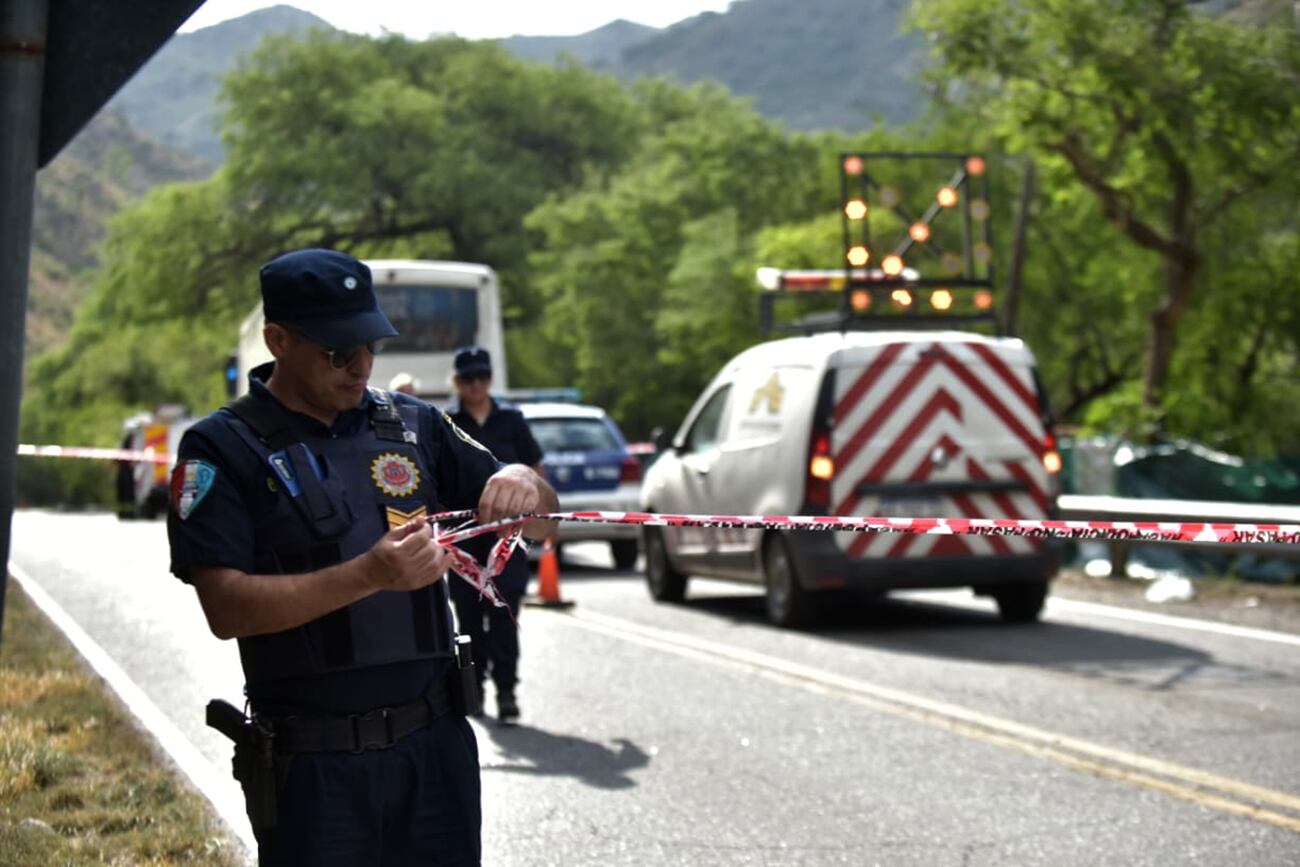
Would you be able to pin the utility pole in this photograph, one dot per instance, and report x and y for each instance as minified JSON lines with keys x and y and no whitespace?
{"x":23,"y":28}
{"x":1015,"y":275}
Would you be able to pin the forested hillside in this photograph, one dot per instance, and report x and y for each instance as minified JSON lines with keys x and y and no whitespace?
{"x":815,"y":64}
{"x":106,"y":167}
{"x":604,"y":45}
{"x":174,"y":96}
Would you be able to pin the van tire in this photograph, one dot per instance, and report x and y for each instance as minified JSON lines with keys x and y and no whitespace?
{"x":665,"y":583}
{"x":624,"y":552}
{"x":788,"y":604}
{"x":1020,"y":603}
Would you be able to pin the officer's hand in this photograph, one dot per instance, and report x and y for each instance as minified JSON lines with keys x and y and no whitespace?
{"x":511,"y":491}
{"x":405,"y":558}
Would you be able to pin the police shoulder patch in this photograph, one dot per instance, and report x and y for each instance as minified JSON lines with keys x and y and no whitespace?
{"x":191,"y":481}
{"x":464,"y":436}
{"x":394,"y":474}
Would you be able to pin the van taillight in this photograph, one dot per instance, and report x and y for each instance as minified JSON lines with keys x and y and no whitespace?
{"x":631,"y":469}
{"x":1051,"y":457}
{"x":821,"y":469}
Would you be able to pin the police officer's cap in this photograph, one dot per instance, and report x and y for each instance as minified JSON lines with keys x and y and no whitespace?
{"x":472,"y":359}
{"x":325,"y":295}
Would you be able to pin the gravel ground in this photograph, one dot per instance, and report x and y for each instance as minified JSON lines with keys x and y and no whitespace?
{"x":1264,"y":606}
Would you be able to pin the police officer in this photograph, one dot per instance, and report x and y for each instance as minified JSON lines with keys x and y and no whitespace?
{"x":296,"y":514}
{"x":500,"y":427}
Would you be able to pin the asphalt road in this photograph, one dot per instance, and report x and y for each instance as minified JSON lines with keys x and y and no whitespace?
{"x":913,"y":731}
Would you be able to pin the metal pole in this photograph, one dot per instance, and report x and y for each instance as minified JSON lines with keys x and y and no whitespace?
{"x":23,"y":27}
{"x":1024,"y":206}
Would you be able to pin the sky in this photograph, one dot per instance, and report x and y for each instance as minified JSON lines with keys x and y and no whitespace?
{"x":472,"y":19}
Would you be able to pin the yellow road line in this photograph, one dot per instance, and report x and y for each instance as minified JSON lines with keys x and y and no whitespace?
{"x":1179,"y":781}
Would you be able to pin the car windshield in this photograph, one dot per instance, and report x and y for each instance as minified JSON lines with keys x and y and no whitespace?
{"x":573,"y":435}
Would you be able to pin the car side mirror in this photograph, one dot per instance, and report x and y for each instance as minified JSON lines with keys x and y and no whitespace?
{"x":662,"y":439}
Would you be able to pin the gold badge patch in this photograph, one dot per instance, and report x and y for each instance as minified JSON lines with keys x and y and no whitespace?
{"x":395,"y":474}
{"x":398,"y":518}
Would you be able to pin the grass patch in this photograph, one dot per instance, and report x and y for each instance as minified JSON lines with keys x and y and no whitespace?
{"x":79,"y":783}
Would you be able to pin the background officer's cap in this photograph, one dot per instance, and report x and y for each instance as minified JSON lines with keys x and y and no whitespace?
{"x":325,"y":295}
{"x":472,"y":359}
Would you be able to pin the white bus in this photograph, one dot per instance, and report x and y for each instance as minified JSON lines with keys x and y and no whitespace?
{"x":436,"y":307}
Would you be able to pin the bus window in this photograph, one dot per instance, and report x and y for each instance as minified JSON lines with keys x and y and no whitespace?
{"x":430,"y":318}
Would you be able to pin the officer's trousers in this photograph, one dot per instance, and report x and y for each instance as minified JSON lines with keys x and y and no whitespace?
{"x":417,"y":802}
{"x":494,"y":635}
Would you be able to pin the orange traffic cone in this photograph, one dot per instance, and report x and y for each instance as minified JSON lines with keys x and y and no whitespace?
{"x":548,"y":580}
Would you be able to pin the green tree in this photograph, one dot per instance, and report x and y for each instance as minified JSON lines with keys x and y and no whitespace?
{"x":640,"y":270}
{"x":1175,"y":123}
{"x":381,"y":147}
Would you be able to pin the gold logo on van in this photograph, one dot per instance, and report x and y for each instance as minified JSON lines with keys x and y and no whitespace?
{"x":772,"y":392}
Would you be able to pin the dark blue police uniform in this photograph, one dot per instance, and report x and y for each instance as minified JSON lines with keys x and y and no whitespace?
{"x":303,"y":498}
{"x":495,"y":637}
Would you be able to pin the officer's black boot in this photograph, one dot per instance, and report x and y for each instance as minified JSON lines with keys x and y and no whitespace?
{"x":507,"y":706}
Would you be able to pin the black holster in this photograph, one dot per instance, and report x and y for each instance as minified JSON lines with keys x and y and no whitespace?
{"x":260,"y":771}
{"x":464,"y":689}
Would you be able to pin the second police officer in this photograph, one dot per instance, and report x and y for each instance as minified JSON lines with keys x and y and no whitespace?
{"x":297,"y":516}
{"x":502,"y":428}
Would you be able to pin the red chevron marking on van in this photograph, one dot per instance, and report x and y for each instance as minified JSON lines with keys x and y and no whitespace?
{"x":865,"y":380}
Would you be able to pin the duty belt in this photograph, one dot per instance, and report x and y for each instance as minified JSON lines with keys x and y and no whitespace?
{"x":378,"y":729}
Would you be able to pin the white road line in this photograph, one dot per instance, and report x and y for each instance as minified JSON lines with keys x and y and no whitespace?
{"x":1187,"y":783}
{"x":1135,"y":615}
{"x":213,"y":786}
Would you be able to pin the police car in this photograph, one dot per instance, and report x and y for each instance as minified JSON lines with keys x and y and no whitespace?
{"x":588,"y":463}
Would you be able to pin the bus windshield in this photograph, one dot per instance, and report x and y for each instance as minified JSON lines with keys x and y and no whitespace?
{"x":430,"y":318}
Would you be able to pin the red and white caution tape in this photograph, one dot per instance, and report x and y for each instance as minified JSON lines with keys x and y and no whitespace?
{"x":480,"y":576}
{"x":1130,"y":530}
{"x":143,"y":456}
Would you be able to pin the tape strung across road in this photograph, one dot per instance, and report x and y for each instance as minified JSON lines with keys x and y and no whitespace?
{"x":1165,"y":531}
{"x":1092,"y":530}
{"x":140,"y":456}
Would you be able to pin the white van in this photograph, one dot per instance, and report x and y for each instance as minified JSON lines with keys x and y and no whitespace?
{"x":888,"y":423}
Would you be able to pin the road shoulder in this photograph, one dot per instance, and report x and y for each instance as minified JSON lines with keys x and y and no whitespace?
{"x":1260,"y":606}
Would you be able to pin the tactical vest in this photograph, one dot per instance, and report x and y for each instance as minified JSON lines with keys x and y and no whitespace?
{"x":337,"y":497}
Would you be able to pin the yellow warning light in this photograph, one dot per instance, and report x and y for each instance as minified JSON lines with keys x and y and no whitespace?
{"x":858,"y":256}
{"x":860,"y":299}
{"x":901,"y":297}
{"x":920,"y":232}
{"x":946,"y":197}
{"x":889,"y":196}
{"x":855,"y":209}
{"x":950,"y":263}
{"x":982,"y":252}
{"x":984,"y":299}
{"x":941,"y":299}
{"x":892,"y":264}
{"x":853,"y":165}
{"x":821,"y":467}
{"x":975,"y":165}
{"x":979,"y":209}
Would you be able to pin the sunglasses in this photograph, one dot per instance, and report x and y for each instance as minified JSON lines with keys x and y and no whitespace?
{"x":477,"y":376}
{"x":341,"y":358}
